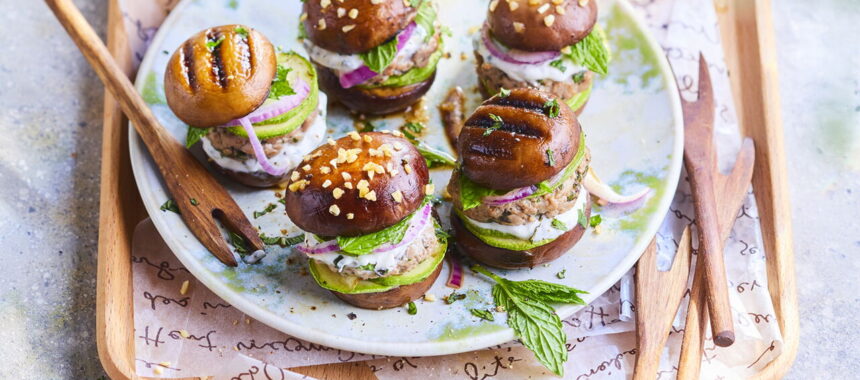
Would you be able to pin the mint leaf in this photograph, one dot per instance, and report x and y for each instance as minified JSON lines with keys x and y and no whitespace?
{"x":238,"y":243}
{"x":268,"y":209}
{"x":426,"y":18}
{"x":559,"y":64}
{"x":592,"y":52}
{"x":194,"y":135}
{"x":551,"y":108}
{"x":504,"y":92}
{"x":435,"y":157}
{"x":497,"y":123}
{"x":582,"y":219}
{"x":378,"y":58}
{"x":471,"y":193}
{"x":211,"y":45}
{"x":578,"y":78}
{"x":240,"y":30}
{"x":411,"y":308}
{"x":595,"y":221}
{"x":170,"y":205}
{"x":550,"y":158}
{"x":483,"y":314}
{"x":547,"y":291}
{"x":412,"y":130}
{"x":280,"y":85}
{"x":364,"y":244}
{"x":559,"y":225}
{"x":454,"y":297}
{"x":284,"y":241}
{"x":562,"y":274}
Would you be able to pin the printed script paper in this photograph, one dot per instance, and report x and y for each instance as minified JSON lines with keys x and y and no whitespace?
{"x":198,"y":334}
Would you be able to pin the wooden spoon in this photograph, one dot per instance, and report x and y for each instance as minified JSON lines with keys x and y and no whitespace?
{"x":199,"y":197}
{"x":658,"y":295}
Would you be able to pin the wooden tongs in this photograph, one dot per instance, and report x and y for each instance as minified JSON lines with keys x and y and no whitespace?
{"x":200,"y":198}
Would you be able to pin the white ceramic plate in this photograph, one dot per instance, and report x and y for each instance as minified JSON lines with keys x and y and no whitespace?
{"x":634,"y":127}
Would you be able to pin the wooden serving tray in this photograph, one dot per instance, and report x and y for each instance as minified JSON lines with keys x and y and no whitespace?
{"x":748,"y":40}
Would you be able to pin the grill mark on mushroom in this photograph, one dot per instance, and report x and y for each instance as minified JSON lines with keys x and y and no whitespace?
{"x":217,"y":61}
{"x":484,"y":121}
{"x":516,"y":103}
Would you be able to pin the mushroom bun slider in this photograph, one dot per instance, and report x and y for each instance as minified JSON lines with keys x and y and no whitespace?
{"x":255,"y":111}
{"x":364,"y":204}
{"x":374,"y":56}
{"x":518,"y":196}
{"x":551,"y":45}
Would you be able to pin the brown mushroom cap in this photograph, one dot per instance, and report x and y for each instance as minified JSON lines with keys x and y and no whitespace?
{"x":312,"y":199}
{"x":373,"y":101}
{"x":208,"y":86}
{"x":517,"y":154}
{"x":541,"y":27}
{"x":336,"y":30}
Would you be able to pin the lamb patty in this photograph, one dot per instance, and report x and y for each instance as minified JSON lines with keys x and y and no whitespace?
{"x":424,"y":246}
{"x":526,"y":210}
{"x":492,"y":79}
{"x":234,"y":146}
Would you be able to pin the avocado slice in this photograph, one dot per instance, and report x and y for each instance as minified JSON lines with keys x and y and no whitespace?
{"x":289,"y":121}
{"x":579,"y":99}
{"x":500,"y":239}
{"x":331,"y":280}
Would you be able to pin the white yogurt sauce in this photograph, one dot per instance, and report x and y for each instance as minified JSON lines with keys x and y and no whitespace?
{"x":343,"y":63}
{"x":384,"y":260}
{"x":528,"y":72}
{"x":290,"y":154}
{"x":542,"y":228}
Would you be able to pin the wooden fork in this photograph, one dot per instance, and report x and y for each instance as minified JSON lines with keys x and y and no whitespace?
{"x":199,"y":197}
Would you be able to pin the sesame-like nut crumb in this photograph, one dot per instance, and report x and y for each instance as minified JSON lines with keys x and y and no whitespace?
{"x":337,"y":193}
{"x":557,"y":2}
{"x":363,"y":184}
{"x":347,"y":185}
{"x":294,"y":176}
{"x":429,"y":188}
{"x":298,"y":185}
{"x":543,"y":8}
{"x":325,"y":3}
{"x":583,"y":3}
{"x":321,"y":24}
{"x":500,"y":309}
{"x":371,"y":196}
{"x":303,"y":17}
{"x":164,"y":364}
{"x":367,"y":138}
{"x":566,"y":50}
{"x":341,"y":12}
{"x":398,"y":146}
{"x":519,"y":27}
{"x":347,"y":28}
{"x":362,"y":192}
{"x":334,"y":210}
{"x":157,"y":370}
{"x":429,"y":297}
{"x":397,"y":133}
{"x":407,"y":168}
{"x":549,"y":20}
{"x":513,"y":5}
{"x":346,"y":176}
{"x":183,"y":290}
{"x":370,"y":175}
{"x":534,"y":2}
{"x":307,"y":167}
{"x":376,"y":2}
{"x":493,"y":5}
{"x":350,"y":216}
{"x":397,"y":196}
{"x":330,"y":141}
{"x":560,"y":9}
{"x":184,"y":334}
{"x":354,"y":135}
{"x":325,"y":170}
{"x":353,"y":13}
{"x":326,"y":184}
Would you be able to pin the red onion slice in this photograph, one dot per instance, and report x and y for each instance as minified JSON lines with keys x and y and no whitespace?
{"x":259,"y":153}
{"x":606,"y":193}
{"x":455,"y":275}
{"x":416,"y":225}
{"x":364,"y":73}
{"x":324,"y":247}
{"x":511,"y":196}
{"x":283,"y":105}
{"x":513,"y":55}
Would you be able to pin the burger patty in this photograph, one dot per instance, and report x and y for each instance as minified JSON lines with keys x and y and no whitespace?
{"x":493,"y":79}
{"x":234,"y":146}
{"x":526,"y":210}
{"x":424,"y":246}
{"x":402,"y":64}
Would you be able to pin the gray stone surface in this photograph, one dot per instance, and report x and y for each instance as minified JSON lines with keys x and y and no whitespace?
{"x":50,"y":114}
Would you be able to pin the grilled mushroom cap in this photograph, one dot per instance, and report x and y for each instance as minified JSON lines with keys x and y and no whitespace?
{"x":333,"y":193}
{"x":518,"y":140}
{"x":355,"y":26}
{"x":541,"y":26}
{"x":219,"y":74}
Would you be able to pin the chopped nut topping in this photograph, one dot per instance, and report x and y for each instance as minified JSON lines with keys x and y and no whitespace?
{"x":362,"y":192}
{"x":519,"y":27}
{"x":367,"y":138}
{"x":398,"y":146}
{"x":184,"y":289}
{"x":334,"y":210}
{"x":375,"y":2}
{"x":560,"y":9}
{"x":371,"y":196}
{"x":386,"y":149}
{"x":346,"y":176}
{"x":347,"y":28}
{"x":307,"y":167}
{"x":557,"y":2}
{"x":347,"y":185}
{"x":370,"y":175}
{"x":397,"y":196}
{"x":374,"y":152}
{"x":429,"y":297}
{"x":513,"y":5}
{"x":303,"y":17}
{"x":429,"y":188}
{"x":407,"y":168}
{"x":157,"y":370}
{"x":321,"y":24}
{"x":294,"y":176}
{"x":325,"y":3}
{"x":354,"y":135}
{"x":326,"y":184}
{"x":298,"y":185}
{"x":337,"y":193}
{"x":534,"y":2}
{"x":353,"y":13}
{"x":350,"y":216}
{"x":333,"y":163}
{"x":363,"y":184}
{"x":184,"y":334}
{"x":493,"y":5}
{"x":341,"y":155}
{"x":330,"y":141}
{"x":341,"y":12}
{"x":543,"y":8}
{"x":325,"y":170}
{"x":397,"y":133}
{"x":549,"y":20}
{"x":583,"y":3}
{"x":566,"y":50}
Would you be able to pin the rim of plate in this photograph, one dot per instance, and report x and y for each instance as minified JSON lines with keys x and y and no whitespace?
{"x":138,"y":151}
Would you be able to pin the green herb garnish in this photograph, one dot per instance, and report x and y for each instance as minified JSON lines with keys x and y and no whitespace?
{"x":483,"y":314}
{"x":551,"y":108}
{"x":367,"y":126}
{"x":368,"y":267}
{"x":238,"y":243}
{"x":411,"y":309}
{"x":454,"y":297}
{"x":240,"y":30}
{"x":595,"y":221}
{"x":558,"y":64}
{"x":211,"y":45}
{"x":282,"y":241}
{"x":280,"y":86}
{"x":578,"y":77}
{"x":434,"y":157}
{"x":532,"y":318}
{"x":592,"y":52}
{"x":364,"y":244}
{"x":550,"y":158}
{"x":194,"y":135}
{"x":426,"y":18}
{"x":378,"y":58}
{"x":194,"y":202}
{"x":504,"y":92}
{"x":170,"y":205}
{"x":559,"y":225}
{"x":497,"y":123}
{"x":412,"y":130}
{"x":562,"y":274}
{"x":268,"y":209}
{"x":582,"y":219}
